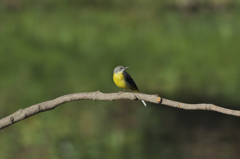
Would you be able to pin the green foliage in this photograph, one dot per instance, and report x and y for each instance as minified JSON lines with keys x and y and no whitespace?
{"x":56,"y":48}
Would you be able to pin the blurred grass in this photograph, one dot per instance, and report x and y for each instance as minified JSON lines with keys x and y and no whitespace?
{"x":51,"y":51}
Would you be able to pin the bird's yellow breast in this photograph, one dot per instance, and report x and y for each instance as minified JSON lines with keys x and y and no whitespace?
{"x":119,"y":80}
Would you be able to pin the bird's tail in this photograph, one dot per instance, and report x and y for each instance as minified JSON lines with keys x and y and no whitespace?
{"x":136,"y":90}
{"x":144,"y":103}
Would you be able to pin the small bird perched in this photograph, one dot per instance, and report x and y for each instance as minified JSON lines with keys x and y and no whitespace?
{"x":123,"y":80}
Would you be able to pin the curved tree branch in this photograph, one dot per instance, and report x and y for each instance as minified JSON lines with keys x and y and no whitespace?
{"x":51,"y":104}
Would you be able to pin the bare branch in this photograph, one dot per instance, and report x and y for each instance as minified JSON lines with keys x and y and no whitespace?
{"x":51,"y":104}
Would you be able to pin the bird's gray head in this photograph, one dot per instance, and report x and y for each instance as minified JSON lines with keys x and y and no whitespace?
{"x":119,"y":69}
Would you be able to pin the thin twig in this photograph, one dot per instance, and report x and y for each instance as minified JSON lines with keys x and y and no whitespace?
{"x":51,"y":104}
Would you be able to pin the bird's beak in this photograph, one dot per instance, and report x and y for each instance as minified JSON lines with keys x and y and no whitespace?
{"x":126,"y":68}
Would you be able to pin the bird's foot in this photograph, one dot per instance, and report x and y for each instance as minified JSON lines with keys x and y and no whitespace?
{"x":120,"y":92}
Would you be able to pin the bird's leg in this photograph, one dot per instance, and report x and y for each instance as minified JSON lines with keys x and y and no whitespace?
{"x":120,"y":92}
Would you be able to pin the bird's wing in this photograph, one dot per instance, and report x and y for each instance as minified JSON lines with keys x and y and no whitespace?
{"x":129,"y":79}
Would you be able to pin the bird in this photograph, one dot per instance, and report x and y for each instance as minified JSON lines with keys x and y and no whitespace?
{"x":123,"y":80}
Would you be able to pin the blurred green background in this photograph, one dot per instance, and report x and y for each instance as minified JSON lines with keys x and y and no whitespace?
{"x":183,"y":50}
